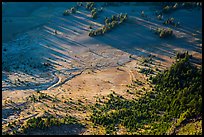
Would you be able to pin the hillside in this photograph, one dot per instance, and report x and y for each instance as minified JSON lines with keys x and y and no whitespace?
{"x":175,"y":98}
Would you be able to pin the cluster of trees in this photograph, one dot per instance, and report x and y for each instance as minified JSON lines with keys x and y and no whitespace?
{"x":164,"y":32}
{"x":110,"y":23}
{"x":191,"y":4}
{"x":177,"y":95}
{"x":138,"y":82}
{"x":42,"y":122}
{"x":70,"y":11}
{"x":94,"y":13}
{"x":119,"y":18}
{"x":181,"y":55}
{"x":146,"y":71}
{"x":172,"y":6}
{"x":171,"y":22}
{"x":90,"y":5}
{"x":38,"y":97}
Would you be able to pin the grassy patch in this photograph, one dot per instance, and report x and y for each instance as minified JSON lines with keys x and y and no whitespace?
{"x":192,"y":128}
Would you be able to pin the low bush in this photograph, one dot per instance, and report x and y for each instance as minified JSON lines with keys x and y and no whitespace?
{"x":159,"y":17}
{"x":171,"y":22}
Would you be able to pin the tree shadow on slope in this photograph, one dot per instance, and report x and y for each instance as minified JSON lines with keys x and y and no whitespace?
{"x":139,"y":39}
{"x":12,"y":110}
{"x":72,"y":129}
{"x":135,"y":38}
{"x":40,"y":56}
{"x":7,"y":112}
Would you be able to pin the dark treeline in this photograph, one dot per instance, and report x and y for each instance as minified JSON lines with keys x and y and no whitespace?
{"x":175,"y":98}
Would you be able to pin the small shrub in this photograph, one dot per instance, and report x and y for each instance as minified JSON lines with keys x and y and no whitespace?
{"x":66,"y":13}
{"x":175,"y":6}
{"x":94,"y":15}
{"x":160,"y":17}
{"x":73,"y":10}
{"x":142,"y":13}
{"x":166,"y":9}
{"x":107,"y":21}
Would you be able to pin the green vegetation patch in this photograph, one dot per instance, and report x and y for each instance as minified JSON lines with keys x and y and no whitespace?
{"x":171,"y":21}
{"x":48,"y":121}
{"x":177,"y":95}
{"x":69,"y":11}
{"x":192,"y":128}
{"x":42,"y":123}
{"x":110,"y":23}
{"x":39,"y":96}
{"x":164,"y":32}
{"x":173,"y":6}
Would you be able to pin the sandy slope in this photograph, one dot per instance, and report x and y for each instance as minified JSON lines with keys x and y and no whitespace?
{"x":39,"y":59}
